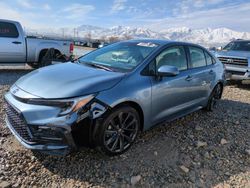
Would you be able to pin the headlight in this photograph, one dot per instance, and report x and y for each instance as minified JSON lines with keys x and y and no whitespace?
{"x":81,"y":102}
{"x":66,"y":105}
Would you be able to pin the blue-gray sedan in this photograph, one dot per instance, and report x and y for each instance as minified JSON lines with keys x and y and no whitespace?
{"x":111,"y":94}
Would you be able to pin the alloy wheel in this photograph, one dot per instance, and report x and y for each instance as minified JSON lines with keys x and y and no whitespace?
{"x":121,"y":132}
{"x":216,"y":95}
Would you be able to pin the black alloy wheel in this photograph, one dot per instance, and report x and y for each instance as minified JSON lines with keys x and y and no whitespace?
{"x":119,"y":130}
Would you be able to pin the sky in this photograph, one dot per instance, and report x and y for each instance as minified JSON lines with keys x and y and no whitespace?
{"x":153,"y":14}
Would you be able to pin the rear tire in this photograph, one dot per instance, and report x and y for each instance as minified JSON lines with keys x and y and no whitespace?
{"x":214,"y":97}
{"x":38,"y":64}
{"x":119,"y":130}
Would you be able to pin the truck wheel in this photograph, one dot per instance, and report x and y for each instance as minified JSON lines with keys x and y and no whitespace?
{"x":40,"y":59}
{"x":46,"y":57}
{"x":119,"y":130}
{"x":38,"y":64}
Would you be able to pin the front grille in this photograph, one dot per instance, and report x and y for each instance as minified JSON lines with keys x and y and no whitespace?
{"x":18,"y":123}
{"x":233,"y":61}
{"x":237,"y":73}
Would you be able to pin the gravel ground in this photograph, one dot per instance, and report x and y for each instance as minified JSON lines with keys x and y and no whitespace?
{"x":203,"y":149}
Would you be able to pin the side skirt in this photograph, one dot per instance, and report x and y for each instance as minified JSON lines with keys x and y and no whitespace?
{"x":176,"y":116}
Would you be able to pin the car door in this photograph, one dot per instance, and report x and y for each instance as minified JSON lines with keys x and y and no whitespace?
{"x":171,"y":95}
{"x":210,"y":71}
{"x":12,"y":48}
{"x":200,"y":74}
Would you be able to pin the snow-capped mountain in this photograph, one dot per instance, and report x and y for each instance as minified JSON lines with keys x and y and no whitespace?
{"x":134,"y":32}
{"x":207,"y":36}
{"x":117,"y":31}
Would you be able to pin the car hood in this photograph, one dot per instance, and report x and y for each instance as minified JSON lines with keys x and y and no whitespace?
{"x":233,"y":53}
{"x":67,"y":80}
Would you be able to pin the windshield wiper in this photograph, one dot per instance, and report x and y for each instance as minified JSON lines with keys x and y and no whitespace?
{"x":99,"y":66}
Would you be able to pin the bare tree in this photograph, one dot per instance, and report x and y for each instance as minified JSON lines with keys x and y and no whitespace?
{"x":127,"y":36}
{"x":113,"y":39}
{"x":102,"y":38}
{"x":88,"y":36}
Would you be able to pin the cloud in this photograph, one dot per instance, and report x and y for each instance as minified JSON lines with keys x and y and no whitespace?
{"x":25,"y":4}
{"x":231,"y":16}
{"x":118,"y":5}
{"x":77,"y":11}
{"x":156,"y":16}
{"x":27,"y":18}
{"x":28,"y":5}
{"x":10,"y":13}
{"x":214,"y":1}
{"x":37,"y":18}
{"x":46,"y":7}
{"x":187,"y":6}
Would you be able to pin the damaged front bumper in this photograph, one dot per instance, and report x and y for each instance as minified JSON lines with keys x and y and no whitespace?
{"x":51,"y":148}
{"x":40,"y":128}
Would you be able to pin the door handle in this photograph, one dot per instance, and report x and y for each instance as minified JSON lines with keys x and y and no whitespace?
{"x":211,"y":72}
{"x":16,"y":42}
{"x":188,"y":78}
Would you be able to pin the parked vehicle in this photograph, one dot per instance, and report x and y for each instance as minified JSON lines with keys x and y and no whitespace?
{"x":17,"y":49}
{"x":236,"y":58}
{"x":103,"y":44}
{"x":107,"y":101}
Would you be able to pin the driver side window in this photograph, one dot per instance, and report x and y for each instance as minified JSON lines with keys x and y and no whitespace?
{"x":173,"y":56}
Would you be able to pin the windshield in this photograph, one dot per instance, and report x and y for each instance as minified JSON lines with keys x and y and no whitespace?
{"x":122,"y":57}
{"x":238,"y":46}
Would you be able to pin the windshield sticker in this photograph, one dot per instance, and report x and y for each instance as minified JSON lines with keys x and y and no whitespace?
{"x":147,"y":44}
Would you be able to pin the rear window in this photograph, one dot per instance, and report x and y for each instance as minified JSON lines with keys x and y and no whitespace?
{"x":173,"y":56}
{"x":197,"y":57}
{"x":8,"y":30}
{"x":209,"y":59}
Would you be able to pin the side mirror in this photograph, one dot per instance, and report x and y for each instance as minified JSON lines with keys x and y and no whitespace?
{"x":167,"y":70}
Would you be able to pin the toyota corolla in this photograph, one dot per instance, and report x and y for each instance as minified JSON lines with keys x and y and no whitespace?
{"x":108,"y":96}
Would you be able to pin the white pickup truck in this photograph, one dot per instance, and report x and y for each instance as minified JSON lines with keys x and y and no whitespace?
{"x":17,"y":49}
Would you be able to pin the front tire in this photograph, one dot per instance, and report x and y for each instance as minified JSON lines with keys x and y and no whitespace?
{"x":214,"y":97}
{"x":119,"y":130}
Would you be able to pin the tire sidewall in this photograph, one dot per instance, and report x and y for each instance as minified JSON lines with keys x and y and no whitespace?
{"x":210,"y":106}
{"x":105,"y":123}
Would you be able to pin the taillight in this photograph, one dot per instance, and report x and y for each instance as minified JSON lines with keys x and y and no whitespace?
{"x":71,"y":48}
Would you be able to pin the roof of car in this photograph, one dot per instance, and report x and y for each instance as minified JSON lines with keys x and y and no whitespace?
{"x":9,"y":21}
{"x":160,"y":41}
{"x":241,"y":40}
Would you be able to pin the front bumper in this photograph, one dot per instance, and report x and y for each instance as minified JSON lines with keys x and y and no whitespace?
{"x":237,"y":72}
{"x":49,"y":134}
{"x":47,"y":148}
{"x":40,"y":128}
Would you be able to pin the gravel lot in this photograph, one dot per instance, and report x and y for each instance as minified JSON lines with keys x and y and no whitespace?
{"x":199,"y":150}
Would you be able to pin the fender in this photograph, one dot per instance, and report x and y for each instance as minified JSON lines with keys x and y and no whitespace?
{"x":43,"y":46}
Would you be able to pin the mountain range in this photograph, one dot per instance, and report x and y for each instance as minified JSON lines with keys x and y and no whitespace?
{"x":207,"y":37}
